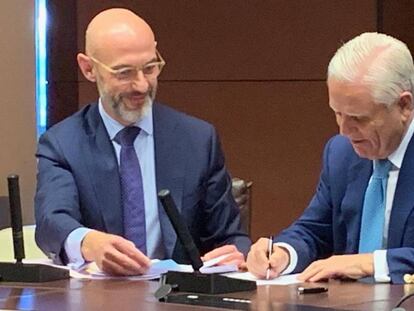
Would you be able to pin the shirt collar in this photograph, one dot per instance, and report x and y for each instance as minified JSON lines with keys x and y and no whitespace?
{"x":396,"y":158}
{"x":113,"y":126}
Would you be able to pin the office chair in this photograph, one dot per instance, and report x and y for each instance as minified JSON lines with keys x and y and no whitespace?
{"x":242,"y":193}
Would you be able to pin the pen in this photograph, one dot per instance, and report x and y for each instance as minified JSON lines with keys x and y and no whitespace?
{"x":269,"y":253}
{"x":312,"y":290}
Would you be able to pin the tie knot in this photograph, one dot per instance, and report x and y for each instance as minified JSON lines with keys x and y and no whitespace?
{"x":381,"y":168}
{"x":127,"y":135}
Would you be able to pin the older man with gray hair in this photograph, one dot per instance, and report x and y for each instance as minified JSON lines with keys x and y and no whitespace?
{"x":360,"y":222}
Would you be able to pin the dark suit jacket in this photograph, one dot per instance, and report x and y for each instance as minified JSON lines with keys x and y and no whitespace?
{"x":331,"y":223}
{"x":78,"y":182}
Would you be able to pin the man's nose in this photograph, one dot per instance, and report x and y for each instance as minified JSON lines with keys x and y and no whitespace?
{"x":140,"y":82}
{"x":345,"y":125}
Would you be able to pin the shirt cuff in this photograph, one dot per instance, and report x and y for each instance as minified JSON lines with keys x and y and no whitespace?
{"x":73,"y":247}
{"x":293,"y":257}
{"x":381,"y":270}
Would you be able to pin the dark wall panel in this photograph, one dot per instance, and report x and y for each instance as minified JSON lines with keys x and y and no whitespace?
{"x":62,"y":65}
{"x":272,"y":133}
{"x":398,"y":20}
{"x":245,"y":40}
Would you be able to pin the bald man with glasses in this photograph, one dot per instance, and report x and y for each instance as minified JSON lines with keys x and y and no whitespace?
{"x":99,"y":170}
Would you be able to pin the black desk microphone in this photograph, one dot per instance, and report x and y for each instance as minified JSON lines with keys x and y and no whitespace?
{"x":16,"y":217}
{"x":18,"y":271}
{"x":196,"y":281}
{"x":181,"y":229}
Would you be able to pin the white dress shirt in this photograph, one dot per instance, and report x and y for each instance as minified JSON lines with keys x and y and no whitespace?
{"x":381,"y":270}
{"x":144,"y":147}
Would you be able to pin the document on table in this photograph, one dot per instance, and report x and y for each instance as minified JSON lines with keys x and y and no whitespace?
{"x":210,"y":266}
{"x":158,"y":267}
{"x":91,"y":271}
{"x":281,"y":280}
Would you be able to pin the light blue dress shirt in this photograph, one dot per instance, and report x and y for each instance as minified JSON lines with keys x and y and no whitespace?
{"x":144,"y":147}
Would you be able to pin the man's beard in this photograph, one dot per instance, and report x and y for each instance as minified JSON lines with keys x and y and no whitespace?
{"x":129,"y":116}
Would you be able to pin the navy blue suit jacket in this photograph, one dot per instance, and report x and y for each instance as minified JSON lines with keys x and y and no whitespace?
{"x":330,"y":225}
{"x":78,"y":182}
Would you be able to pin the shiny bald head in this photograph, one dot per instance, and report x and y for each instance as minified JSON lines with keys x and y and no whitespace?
{"x":115,"y":28}
{"x":117,"y":39}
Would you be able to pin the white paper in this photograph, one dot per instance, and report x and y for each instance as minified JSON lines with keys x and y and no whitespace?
{"x":218,"y":269}
{"x":214,"y":261}
{"x":281,"y":280}
{"x":91,"y":271}
{"x":209,"y":266}
{"x":158,"y":267}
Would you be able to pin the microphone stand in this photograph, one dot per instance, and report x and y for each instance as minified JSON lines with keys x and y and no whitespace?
{"x":198,"y":282}
{"x":19,"y":271}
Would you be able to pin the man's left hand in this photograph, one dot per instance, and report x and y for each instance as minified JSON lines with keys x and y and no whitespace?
{"x":341,"y":266}
{"x":235,"y":257}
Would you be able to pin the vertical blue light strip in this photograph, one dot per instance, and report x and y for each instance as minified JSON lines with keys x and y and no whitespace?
{"x":41,"y":65}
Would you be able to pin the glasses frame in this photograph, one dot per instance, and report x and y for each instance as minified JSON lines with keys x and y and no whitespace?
{"x":160,"y":62}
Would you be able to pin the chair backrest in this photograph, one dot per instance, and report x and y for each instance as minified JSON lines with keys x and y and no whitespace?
{"x":4,"y":212}
{"x":242,"y":193}
{"x":32,"y":251}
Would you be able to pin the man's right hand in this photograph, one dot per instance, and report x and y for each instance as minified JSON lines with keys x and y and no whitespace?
{"x":114,"y":254}
{"x":258,"y":261}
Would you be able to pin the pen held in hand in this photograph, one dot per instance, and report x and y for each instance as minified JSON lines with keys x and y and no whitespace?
{"x":269,"y":254}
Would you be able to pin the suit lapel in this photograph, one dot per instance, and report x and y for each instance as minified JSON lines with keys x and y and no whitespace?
{"x":403,"y":199}
{"x":103,"y":171}
{"x":169,"y":167}
{"x":352,"y":203}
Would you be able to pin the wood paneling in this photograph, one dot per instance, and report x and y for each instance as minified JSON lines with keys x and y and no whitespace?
{"x":272,"y":133}
{"x":245,"y":40}
{"x":62,"y":99}
{"x":398,"y":20}
{"x":62,"y":65}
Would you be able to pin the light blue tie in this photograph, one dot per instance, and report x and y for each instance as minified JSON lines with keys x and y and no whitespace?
{"x":373,"y":213}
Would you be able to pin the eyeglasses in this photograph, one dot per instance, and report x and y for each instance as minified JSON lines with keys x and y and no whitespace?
{"x":129,"y":73}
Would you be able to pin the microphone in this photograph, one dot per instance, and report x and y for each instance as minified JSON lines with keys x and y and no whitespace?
{"x":19,"y":271}
{"x":16,"y":217}
{"x":180,"y":228}
{"x":193,"y":282}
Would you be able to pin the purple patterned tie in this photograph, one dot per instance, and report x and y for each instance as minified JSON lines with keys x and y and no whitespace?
{"x":131,"y":189}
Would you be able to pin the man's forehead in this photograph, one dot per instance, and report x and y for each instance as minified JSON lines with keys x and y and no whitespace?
{"x":125,"y":47}
{"x":348,"y":90}
{"x":352,"y":98}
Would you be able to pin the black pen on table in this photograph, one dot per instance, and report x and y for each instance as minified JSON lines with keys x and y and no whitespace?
{"x":269,"y":254}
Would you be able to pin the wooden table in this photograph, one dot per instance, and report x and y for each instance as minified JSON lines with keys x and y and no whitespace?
{"x":120,"y":295}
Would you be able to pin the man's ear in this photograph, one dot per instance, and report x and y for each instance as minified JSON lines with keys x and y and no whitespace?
{"x":85,"y":65}
{"x":406,"y":104}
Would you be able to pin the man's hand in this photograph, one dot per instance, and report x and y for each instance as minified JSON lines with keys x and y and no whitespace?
{"x":341,"y":266}
{"x":234,"y":256}
{"x":258,"y":261}
{"x":114,"y":254}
